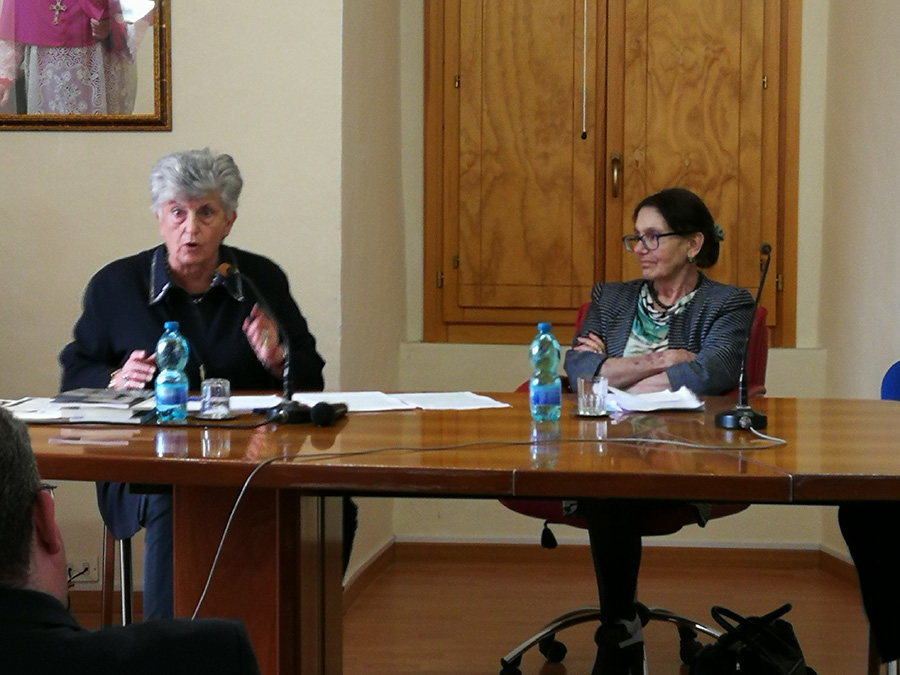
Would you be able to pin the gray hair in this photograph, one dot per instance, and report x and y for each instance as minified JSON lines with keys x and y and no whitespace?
{"x":19,"y":485}
{"x":193,"y":174}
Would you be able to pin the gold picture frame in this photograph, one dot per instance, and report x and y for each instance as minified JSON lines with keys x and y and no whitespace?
{"x":160,"y":119}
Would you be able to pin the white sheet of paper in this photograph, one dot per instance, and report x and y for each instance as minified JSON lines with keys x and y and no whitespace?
{"x":240,"y":404}
{"x":683,"y":399}
{"x":450,"y":400}
{"x":357,"y":401}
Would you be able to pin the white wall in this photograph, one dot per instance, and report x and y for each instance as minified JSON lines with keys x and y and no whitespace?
{"x":861,"y":287}
{"x":372,"y":307}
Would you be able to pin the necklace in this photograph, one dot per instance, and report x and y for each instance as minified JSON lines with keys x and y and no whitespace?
{"x":656,"y":299}
{"x":664,"y":306}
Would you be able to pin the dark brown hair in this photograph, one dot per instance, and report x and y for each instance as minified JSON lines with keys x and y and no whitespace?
{"x":686,"y":214}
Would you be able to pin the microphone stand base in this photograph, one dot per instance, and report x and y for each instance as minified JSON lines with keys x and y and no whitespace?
{"x":741,"y":417}
{"x":289,"y":412}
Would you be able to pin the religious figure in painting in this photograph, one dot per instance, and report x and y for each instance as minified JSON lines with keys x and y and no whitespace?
{"x":76,"y":56}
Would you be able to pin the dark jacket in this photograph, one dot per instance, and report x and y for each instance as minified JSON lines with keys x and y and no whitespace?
{"x":39,"y":637}
{"x":127,"y":302}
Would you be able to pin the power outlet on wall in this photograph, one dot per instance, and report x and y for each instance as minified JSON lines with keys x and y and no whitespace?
{"x":84,"y":570}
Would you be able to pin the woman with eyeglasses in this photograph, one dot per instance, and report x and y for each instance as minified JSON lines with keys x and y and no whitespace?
{"x":673,"y":327}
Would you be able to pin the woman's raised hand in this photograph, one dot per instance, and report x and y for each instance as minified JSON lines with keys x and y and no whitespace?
{"x":136,"y":372}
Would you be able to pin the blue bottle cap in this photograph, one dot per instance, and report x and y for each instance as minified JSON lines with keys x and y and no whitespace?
{"x":171,"y":325}
{"x":544,"y":327}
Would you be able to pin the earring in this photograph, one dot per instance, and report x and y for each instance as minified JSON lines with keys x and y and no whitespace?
{"x":690,"y":258}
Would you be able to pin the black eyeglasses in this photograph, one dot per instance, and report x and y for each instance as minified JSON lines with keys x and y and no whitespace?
{"x":46,"y":486}
{"x":649,"y":240}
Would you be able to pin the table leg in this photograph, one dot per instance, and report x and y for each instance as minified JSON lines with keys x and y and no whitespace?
{"x":279,"y":571}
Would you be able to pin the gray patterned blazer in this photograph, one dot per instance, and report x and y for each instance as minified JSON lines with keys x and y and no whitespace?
{"x":714,"y":326}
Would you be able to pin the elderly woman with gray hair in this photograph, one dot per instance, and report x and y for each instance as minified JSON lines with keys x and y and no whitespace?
{"x":194,"y":197}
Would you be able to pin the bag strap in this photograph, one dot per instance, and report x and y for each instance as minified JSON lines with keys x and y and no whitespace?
{"x":723,"y":614}
{"x":758,"y":634}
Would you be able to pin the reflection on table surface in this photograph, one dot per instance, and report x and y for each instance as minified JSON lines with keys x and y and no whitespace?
{"x":492,"y":451}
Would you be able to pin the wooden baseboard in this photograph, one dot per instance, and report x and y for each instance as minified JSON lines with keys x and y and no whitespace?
{"x":88,"y":602}
{"x":839,"y":568}
{"x":653,"y":556}
{"x":360,"y":579}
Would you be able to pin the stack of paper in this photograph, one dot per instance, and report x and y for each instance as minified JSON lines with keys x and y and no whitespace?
{"x":48,"y":410}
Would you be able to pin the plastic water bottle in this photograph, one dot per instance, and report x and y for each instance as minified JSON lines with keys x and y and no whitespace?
{"x":171,"y":383}
{"x":545,"y":388}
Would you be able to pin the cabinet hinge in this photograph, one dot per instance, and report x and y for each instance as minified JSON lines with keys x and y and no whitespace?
{"x":456,"y":82}
{"x":440,"y":280}
{"x":456,"y":262}
{"x":779,"y":282}
{"x":765,"y":81}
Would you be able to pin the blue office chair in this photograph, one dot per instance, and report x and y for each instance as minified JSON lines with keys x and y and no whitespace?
{"x":890,"y":383}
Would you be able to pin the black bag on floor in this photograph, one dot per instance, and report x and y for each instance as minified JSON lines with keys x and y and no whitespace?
{"x":753,"y":645}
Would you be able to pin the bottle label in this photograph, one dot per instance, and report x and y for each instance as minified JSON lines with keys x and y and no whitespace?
{"x":546,"y":395}
{"x":168,"y":395}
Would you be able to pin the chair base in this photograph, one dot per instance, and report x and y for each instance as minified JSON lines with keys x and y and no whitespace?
{"x":555,"y":651}
{"x":125,"y":575}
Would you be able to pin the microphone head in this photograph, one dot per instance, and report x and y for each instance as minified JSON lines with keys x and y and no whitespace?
{"x":766,"y":248}
{"x":227,"y":270}
{"x":322,"y":414}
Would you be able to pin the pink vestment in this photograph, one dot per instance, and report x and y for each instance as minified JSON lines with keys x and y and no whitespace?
{"x":66,"y":69}
{"x":35,"y":22}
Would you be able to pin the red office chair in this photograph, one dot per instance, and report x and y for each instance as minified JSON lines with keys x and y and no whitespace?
{"x":667,"y":519}
{"x":757,"y":355}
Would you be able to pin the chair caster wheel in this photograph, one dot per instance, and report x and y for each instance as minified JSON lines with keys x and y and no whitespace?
{"x":511,"y":668}
{"x":688,"y":644}
{"x":552,"y":649}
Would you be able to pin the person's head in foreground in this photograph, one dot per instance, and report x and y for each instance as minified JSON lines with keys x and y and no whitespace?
{"x":32,"y":554}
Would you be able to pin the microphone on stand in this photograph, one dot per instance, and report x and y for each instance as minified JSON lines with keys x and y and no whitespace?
{"x":742,"y":416}
{"x":287,"y":411}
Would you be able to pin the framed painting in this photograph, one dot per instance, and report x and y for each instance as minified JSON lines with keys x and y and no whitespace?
{"x":91,"y":65}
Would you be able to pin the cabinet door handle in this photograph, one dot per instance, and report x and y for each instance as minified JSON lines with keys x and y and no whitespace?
{"x":615,"y":163}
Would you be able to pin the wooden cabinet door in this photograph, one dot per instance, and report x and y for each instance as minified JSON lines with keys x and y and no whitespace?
{"x":696,"y":110}
{"x":523,"y":214}
{"x":520,"y":235}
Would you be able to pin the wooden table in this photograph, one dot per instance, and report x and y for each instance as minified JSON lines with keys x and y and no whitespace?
{"x":280,"y":567}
